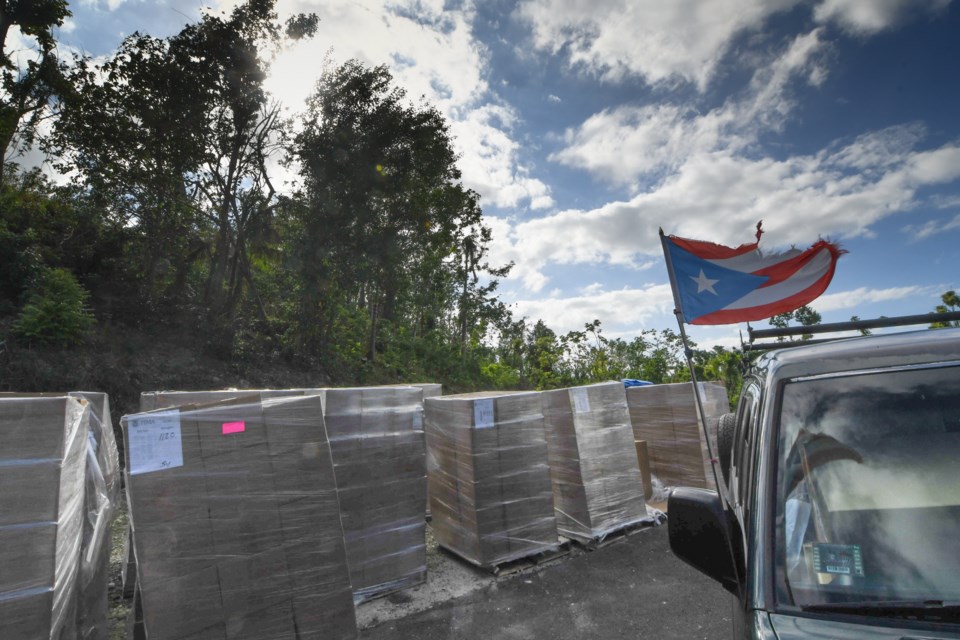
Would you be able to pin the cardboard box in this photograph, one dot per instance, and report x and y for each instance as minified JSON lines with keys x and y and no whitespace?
{"x":237,"y":521}
{"x":597,"y":487}
{"x":101,"y":496}
{"x":643,"y":457}
{"x":376,"y":435}
{"x":379,"y":455}
{"x":43,"y":457}
{"x":665,"y":417}
{"x":490,"y":489}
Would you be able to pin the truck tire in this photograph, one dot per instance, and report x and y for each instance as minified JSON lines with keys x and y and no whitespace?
{"x":725,"y":427}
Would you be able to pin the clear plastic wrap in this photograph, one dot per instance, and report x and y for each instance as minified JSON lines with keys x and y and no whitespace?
{"x":378,"y":449}
{"x":152,"y":400}
{"x":430,"y":390}
{"x":236,"y":521}
{"x":102,"y":497}
{"x":597,"y":486}
{"x":665,"y":416}
{"x":376,"y":436}
{"x":102,"y":492}
{"x":43,"y":465}
{"x":490,"y":490}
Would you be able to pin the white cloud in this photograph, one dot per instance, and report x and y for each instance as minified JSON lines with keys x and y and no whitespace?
{"x":720,"y":195}
{"x":629,"y":309}
{"x":110,"y":5}
{"x":932,"y":228}
{"x":660,"y":41}
{"x":861,"y":296}
{"x":866,"y":18}
{"x":623,"y":145}
{"x":684,"y":40}
{"x":489,"y":159}
{"x":432,"y":53}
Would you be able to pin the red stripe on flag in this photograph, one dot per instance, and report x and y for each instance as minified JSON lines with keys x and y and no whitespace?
{"x":782,"y":270}
{"x":784,"y":305}
{"x":710,"y":250}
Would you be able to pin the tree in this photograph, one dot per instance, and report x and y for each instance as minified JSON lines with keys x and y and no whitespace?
{"x":863,"y":332}
{"x":173,"y":135}
{"x":26,"y":91}
{"x":385,"y":225}
{"x":44,"y":226}
{"x":804,"y":316}
{"x":951,"y":302}
{"x":57,"y":312}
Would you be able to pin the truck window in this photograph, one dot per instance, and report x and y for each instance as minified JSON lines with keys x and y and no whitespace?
{"x":741,"y":474}
{"x":868,"y":496}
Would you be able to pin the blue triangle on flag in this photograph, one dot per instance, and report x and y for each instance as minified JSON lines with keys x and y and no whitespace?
{"x":705,"y":287}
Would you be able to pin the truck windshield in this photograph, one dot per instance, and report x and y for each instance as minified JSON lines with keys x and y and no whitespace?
{"x":868,"y":489}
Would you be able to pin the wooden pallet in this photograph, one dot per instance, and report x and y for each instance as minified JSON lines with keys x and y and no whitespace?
{"x":560,"y":550}
{"x":529,"y":562}
{"x":615,"y":536}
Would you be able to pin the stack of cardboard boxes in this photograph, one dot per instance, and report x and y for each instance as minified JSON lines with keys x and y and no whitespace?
{"x":236,"y":522}
{"x":43,"y":466}
{"x":430,"y":390}
{"x":597,"y":487}
{"x":665,"y":416}
{"x":376,"y":437}
{"x":490,"y":489}
{"x":378,"y":451}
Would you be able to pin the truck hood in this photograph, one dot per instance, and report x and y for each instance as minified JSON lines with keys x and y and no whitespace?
{"x":789,"y":627}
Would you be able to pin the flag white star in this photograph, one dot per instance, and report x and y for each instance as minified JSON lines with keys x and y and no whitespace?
{"x":704,"y":283}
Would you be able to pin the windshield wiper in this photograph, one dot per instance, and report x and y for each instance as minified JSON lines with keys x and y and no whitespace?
{"x":920,"y":609}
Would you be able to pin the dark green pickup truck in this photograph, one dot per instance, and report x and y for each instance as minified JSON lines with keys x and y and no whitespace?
{"x":838,"y":514}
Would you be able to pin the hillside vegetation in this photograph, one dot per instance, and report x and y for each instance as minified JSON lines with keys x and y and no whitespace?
{"x":198,"y":238}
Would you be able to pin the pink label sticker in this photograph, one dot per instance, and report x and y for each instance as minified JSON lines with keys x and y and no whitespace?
{"x":234,"y":427}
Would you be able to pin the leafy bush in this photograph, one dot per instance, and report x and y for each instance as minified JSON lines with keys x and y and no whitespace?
{"x":58,"y":312}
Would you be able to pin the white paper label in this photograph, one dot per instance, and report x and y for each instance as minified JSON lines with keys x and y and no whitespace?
{"x":581,"y":403}
{"x":483,"y":413}
{"x":155,"y":442}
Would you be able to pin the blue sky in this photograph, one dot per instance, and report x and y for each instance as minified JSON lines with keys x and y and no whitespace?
{"x":587,"y":124}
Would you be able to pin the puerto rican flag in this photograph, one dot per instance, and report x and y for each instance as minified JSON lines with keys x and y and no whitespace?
{"x":714,"y":284}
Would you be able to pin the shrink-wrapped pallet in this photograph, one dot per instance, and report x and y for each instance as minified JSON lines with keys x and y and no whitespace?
{"x":101,"y":497}
{"x":152,"y":400}
{"x":43,"y":465}
{"x":376,"y":436}
{"x":490,"y":490}
{"x":665,"y":416}
{"x":597,"y":487}
{"x":430,"y":390}
{"x":236,"y":521}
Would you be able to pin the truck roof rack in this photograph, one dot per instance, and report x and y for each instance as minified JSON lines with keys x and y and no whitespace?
{"x":833,"y":327}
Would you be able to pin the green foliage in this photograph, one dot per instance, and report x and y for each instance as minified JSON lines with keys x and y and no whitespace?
{"x":951,"y":302}
{"x":496,"y":375}
{"x":26,"y":92}
{"x":44,"y":226}
{"x":173,"y":137}
{"x":58,"y":312}
{"x":804,"y":316}
{"x":386,"y":232}
{"x":377,"y":271}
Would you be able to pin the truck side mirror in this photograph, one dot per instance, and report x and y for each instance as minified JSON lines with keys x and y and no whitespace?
{"x":700,"y":534}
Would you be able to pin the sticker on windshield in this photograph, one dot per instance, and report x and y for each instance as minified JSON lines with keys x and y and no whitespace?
{"x":839,"y":559}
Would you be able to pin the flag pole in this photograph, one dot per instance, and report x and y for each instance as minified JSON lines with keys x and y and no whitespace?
{"x":688,"y":353}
